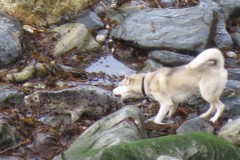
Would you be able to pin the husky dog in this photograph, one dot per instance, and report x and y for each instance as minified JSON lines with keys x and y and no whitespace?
{"x":170,"y":86}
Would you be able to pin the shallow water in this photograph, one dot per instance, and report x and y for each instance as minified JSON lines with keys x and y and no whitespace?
{"x":110,"y":66}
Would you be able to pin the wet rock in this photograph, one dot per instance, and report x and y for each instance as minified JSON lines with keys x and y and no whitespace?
{"x":234,"y":73}
{"x":186,"y":29}
{"x":125,"y":125}
{"x":231,"y":132}
{"x":231,"y":99}
{"x":10,"y":96}
{"x":43,"y":12}
{"x":198,"y":124}
{"x":222,"y":37}
{"x":236,"y":39}
{"x":230,"y":7}
{"x":150,"y":66}
{"x":90,"y":100}
{"x":194,"y":145}
{"x":75,"y":38}
{"x":168,"y":3}
{"x":10,"y":40}
{"x":170,"y":58}
{"x":41,"y":139}
{"x":89,"y":19}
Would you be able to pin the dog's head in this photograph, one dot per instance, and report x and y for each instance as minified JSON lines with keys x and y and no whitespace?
{"x":127,"y":88}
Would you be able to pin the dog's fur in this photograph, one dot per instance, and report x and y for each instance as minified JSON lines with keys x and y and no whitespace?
{"x":170,"y":86}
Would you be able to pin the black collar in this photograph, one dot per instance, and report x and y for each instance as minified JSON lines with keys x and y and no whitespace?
{"x":143,"y":89}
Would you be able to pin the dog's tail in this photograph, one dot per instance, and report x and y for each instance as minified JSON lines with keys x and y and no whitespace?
{"x":209,"y":57}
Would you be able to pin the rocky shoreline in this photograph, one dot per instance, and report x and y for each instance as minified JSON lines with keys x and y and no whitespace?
{"x":52,"y":108}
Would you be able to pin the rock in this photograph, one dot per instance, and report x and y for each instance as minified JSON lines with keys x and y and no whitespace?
{"x":27,"y":73}
{"x":194,"y":145}
{"x":8,"y":136}
{"x":230,"y":7}
{"x":170,"y":58}
{"x":187,"y":29}
{"x":43,"y":12}
{"x":234,"y":73}
{"x":231,"y":99}
{"x":89,"y":19}
{"x":198,"y":124}
{"x":236,"y":39}
{"x":75,"y":38}
{"x":168,"y":3}
{"x":231,"y":132}
{"x":222,"y":37}
{"x":123,"y":126}
{"x":150,"y":66}
{"x":91,"y":100}
{"x":102,"y":36}
{"x":10,"y":40}
{"x":10,"y":96}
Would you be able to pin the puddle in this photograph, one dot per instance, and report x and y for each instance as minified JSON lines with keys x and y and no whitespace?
{"x":110,"y":66}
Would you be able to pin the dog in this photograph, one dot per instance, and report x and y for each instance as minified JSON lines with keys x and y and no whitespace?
{"x":170,"y":86}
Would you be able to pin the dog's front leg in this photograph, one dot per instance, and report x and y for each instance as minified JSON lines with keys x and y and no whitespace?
{"x":162,"y":112}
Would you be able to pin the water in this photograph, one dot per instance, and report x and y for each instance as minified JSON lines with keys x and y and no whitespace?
{"x":109,"y":65}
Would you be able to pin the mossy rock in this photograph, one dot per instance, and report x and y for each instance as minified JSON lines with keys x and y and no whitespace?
{"x":191,"y":146}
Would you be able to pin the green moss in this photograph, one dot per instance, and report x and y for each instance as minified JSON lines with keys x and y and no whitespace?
{"x":191,"y":146}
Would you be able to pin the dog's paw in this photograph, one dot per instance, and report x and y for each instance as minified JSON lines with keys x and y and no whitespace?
{"x":165,"y":121}
{"x":213,"y":120}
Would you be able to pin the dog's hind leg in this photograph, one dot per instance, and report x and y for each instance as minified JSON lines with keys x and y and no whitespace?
{"x":208,"y":112}
{"x":220,"y":108}
{"x":172,"y":110}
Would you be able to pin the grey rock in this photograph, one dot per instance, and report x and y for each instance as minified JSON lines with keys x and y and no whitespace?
{"x":231,"y":132}
{"x":150,"y":66}
{"x":230,"y":7}
{"x":10,"y":96}
{"x":198,"y":124}
{"x":236,"y":39}
{"x":91,"y":100}
{"x":170,"y":58}
{"x":186,"y":29}
{"x":8,"y":135}
{"x":10,"y":40}
{"x":234,"y":73}
{"x":222,"y":37}
{"x":123,"y":126}
{"x":89,"y":19}
{"x":168,"y":3}
{"x":133,"y":7}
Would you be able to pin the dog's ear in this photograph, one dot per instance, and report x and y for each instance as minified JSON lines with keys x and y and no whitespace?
{"x":128,"y":80}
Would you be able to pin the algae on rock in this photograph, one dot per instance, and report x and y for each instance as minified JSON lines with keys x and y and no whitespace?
{"x":194,"y":145}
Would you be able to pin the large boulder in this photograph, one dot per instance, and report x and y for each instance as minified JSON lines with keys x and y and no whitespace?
{"x":43,"y":12}
{"x":195,"y":145}
{"x":186,"y":29}
{"x":10,"y":40}
{"x":125,"y":125}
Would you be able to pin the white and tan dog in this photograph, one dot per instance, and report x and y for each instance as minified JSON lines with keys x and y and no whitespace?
{"x":170,"y":86}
